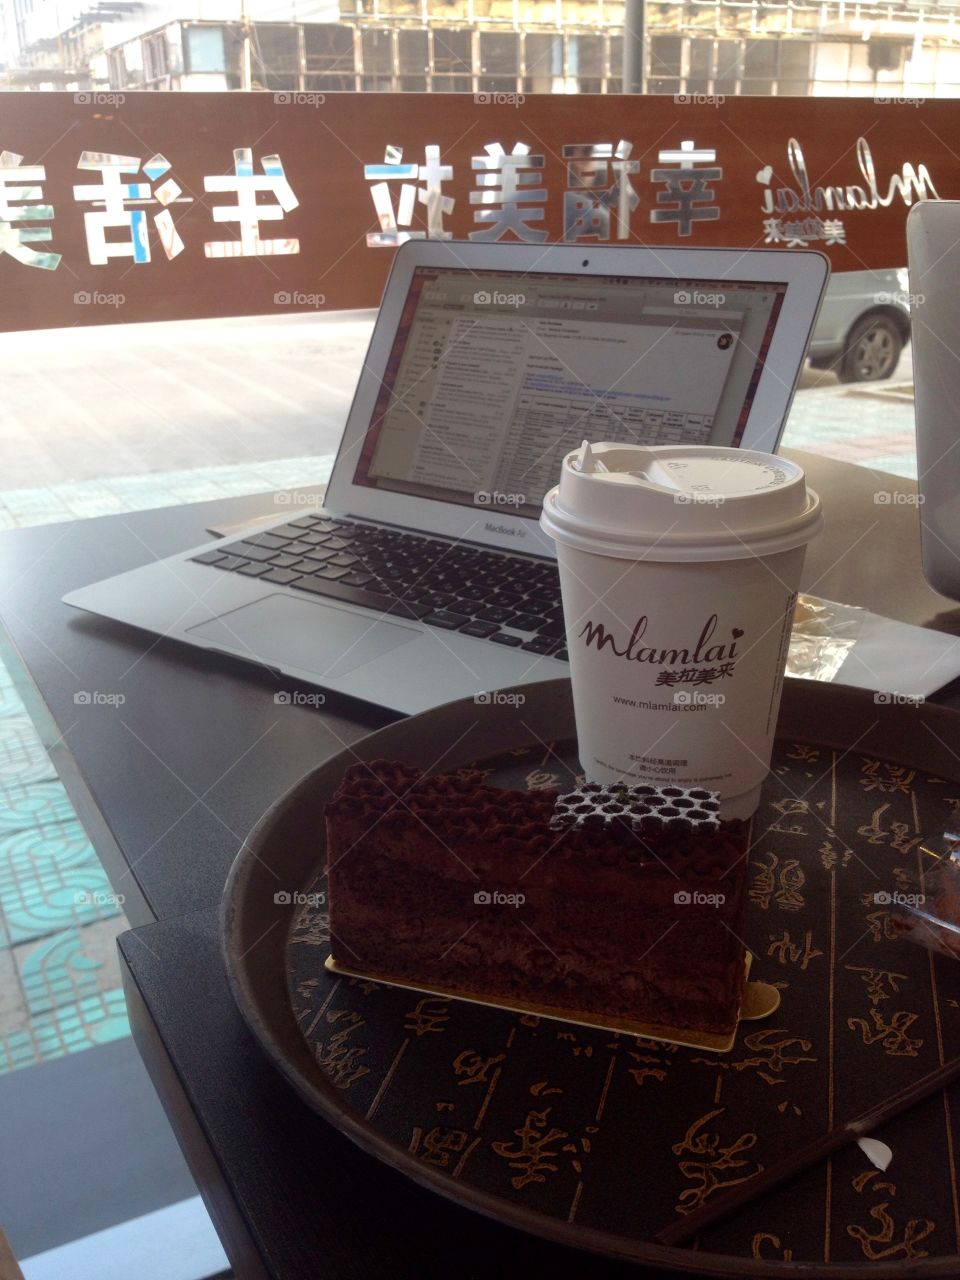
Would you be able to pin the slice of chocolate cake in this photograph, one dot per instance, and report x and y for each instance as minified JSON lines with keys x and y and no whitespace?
{"x":626,"y":901}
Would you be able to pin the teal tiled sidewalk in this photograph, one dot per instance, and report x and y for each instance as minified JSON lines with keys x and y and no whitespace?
{"x":116,"y":494}
{"x":871,"y":424}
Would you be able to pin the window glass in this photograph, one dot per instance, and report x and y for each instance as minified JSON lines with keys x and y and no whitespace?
{"x":700,"y":63}
{"x":499,"y":61}
{"x":543,"y":61}
{"x":451,"y":52}
{"x":205,"y":50}
{"x":794,"y":75}
{"x":413,"y":51}
{"x":329,"y":57}
{"x":276,"y":56}
{"x":665,"y":62}
{"x":759,"y":66}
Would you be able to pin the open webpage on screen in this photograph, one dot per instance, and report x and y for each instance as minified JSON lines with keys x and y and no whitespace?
{"x":512,"y":395}
{"x":490,"y":387}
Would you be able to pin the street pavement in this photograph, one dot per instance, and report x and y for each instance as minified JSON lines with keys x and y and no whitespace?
{"x":128,"y":401}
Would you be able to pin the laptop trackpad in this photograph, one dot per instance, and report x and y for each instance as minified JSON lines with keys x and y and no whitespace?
{"x":284,"y":632}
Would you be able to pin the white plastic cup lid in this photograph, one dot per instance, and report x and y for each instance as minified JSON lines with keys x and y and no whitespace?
{"x":680,"y":503}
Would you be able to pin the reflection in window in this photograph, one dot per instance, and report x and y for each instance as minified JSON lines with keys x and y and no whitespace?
{"x":729,"y":66}
{"x":666,"y":64}
{"x":700,"y":73}
{"x":543,"y":62}
{"x":499,"y":61}
{"x":794,"y":76}
{"x":413,"y":53}
{"x":117,"y":69}
{"x":615,"y":79}
{"x":205,"y":50}
{"x":155,"y":56}
{"x":452,"y":60}
{"x":276,"y":56}
{"x":329,"y":54}
{"x":585,"y":62}
{"x":377,"y":60}
{"x":760,"y":66}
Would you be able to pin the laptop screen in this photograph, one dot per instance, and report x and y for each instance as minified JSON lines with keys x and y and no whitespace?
{"x":495,"y":376}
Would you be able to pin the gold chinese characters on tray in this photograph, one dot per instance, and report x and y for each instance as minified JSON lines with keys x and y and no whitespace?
{"x":609,"y":1130}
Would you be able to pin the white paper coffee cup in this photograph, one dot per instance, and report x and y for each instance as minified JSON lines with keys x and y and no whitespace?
{"x":679,"y":569}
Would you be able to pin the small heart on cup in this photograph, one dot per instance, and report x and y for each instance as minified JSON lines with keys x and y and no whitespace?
{"x":765,"y":174}
{"x":737,"y":632}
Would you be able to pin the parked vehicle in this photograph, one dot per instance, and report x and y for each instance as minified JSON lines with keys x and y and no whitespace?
{"x":863,"y":326}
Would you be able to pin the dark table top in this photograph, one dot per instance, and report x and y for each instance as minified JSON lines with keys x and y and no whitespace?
{"x":169,"y":783}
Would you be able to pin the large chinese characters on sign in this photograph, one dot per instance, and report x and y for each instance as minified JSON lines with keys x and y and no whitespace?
{"x":177,"y":206}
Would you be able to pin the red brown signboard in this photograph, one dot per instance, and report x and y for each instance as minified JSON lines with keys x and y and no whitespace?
{"x":151,"y":206}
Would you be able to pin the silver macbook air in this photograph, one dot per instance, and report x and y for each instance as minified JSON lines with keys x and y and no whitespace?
{"x":425,"y":576}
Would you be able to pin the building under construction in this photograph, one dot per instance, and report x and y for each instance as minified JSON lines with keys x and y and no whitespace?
{"x":709,"y":47}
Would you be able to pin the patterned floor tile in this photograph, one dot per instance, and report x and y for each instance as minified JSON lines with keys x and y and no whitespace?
{"x":67,"y":1029}
{"x":10,"y":704}
{"x":22,"y":851}
{"x":13,"y":1007}
{"x":51,"y":880}
{"x":23,"y":757}
{"x":68,"y":967}
{"x":36,"y":804}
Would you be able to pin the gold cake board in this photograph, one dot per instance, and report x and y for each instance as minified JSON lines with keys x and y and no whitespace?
{"x":760,"y":999}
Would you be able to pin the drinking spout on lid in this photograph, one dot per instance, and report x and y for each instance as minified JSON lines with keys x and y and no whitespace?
{"x":587,"y":464}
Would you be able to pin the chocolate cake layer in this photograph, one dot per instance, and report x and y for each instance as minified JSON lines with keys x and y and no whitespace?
{"x":441,"y":880}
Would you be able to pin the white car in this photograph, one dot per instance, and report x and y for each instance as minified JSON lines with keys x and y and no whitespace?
{"x":863,"y":326}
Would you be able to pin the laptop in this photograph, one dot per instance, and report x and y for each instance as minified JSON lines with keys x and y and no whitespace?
{"x":425,"y":576}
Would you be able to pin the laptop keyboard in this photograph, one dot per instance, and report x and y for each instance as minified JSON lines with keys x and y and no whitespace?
{"x":505,"y":599}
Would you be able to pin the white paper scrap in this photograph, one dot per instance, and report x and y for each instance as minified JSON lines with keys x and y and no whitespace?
{"x":877,"y":1152}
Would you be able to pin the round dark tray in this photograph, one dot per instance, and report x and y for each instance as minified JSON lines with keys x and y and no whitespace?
{"x":597,"y":1139}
